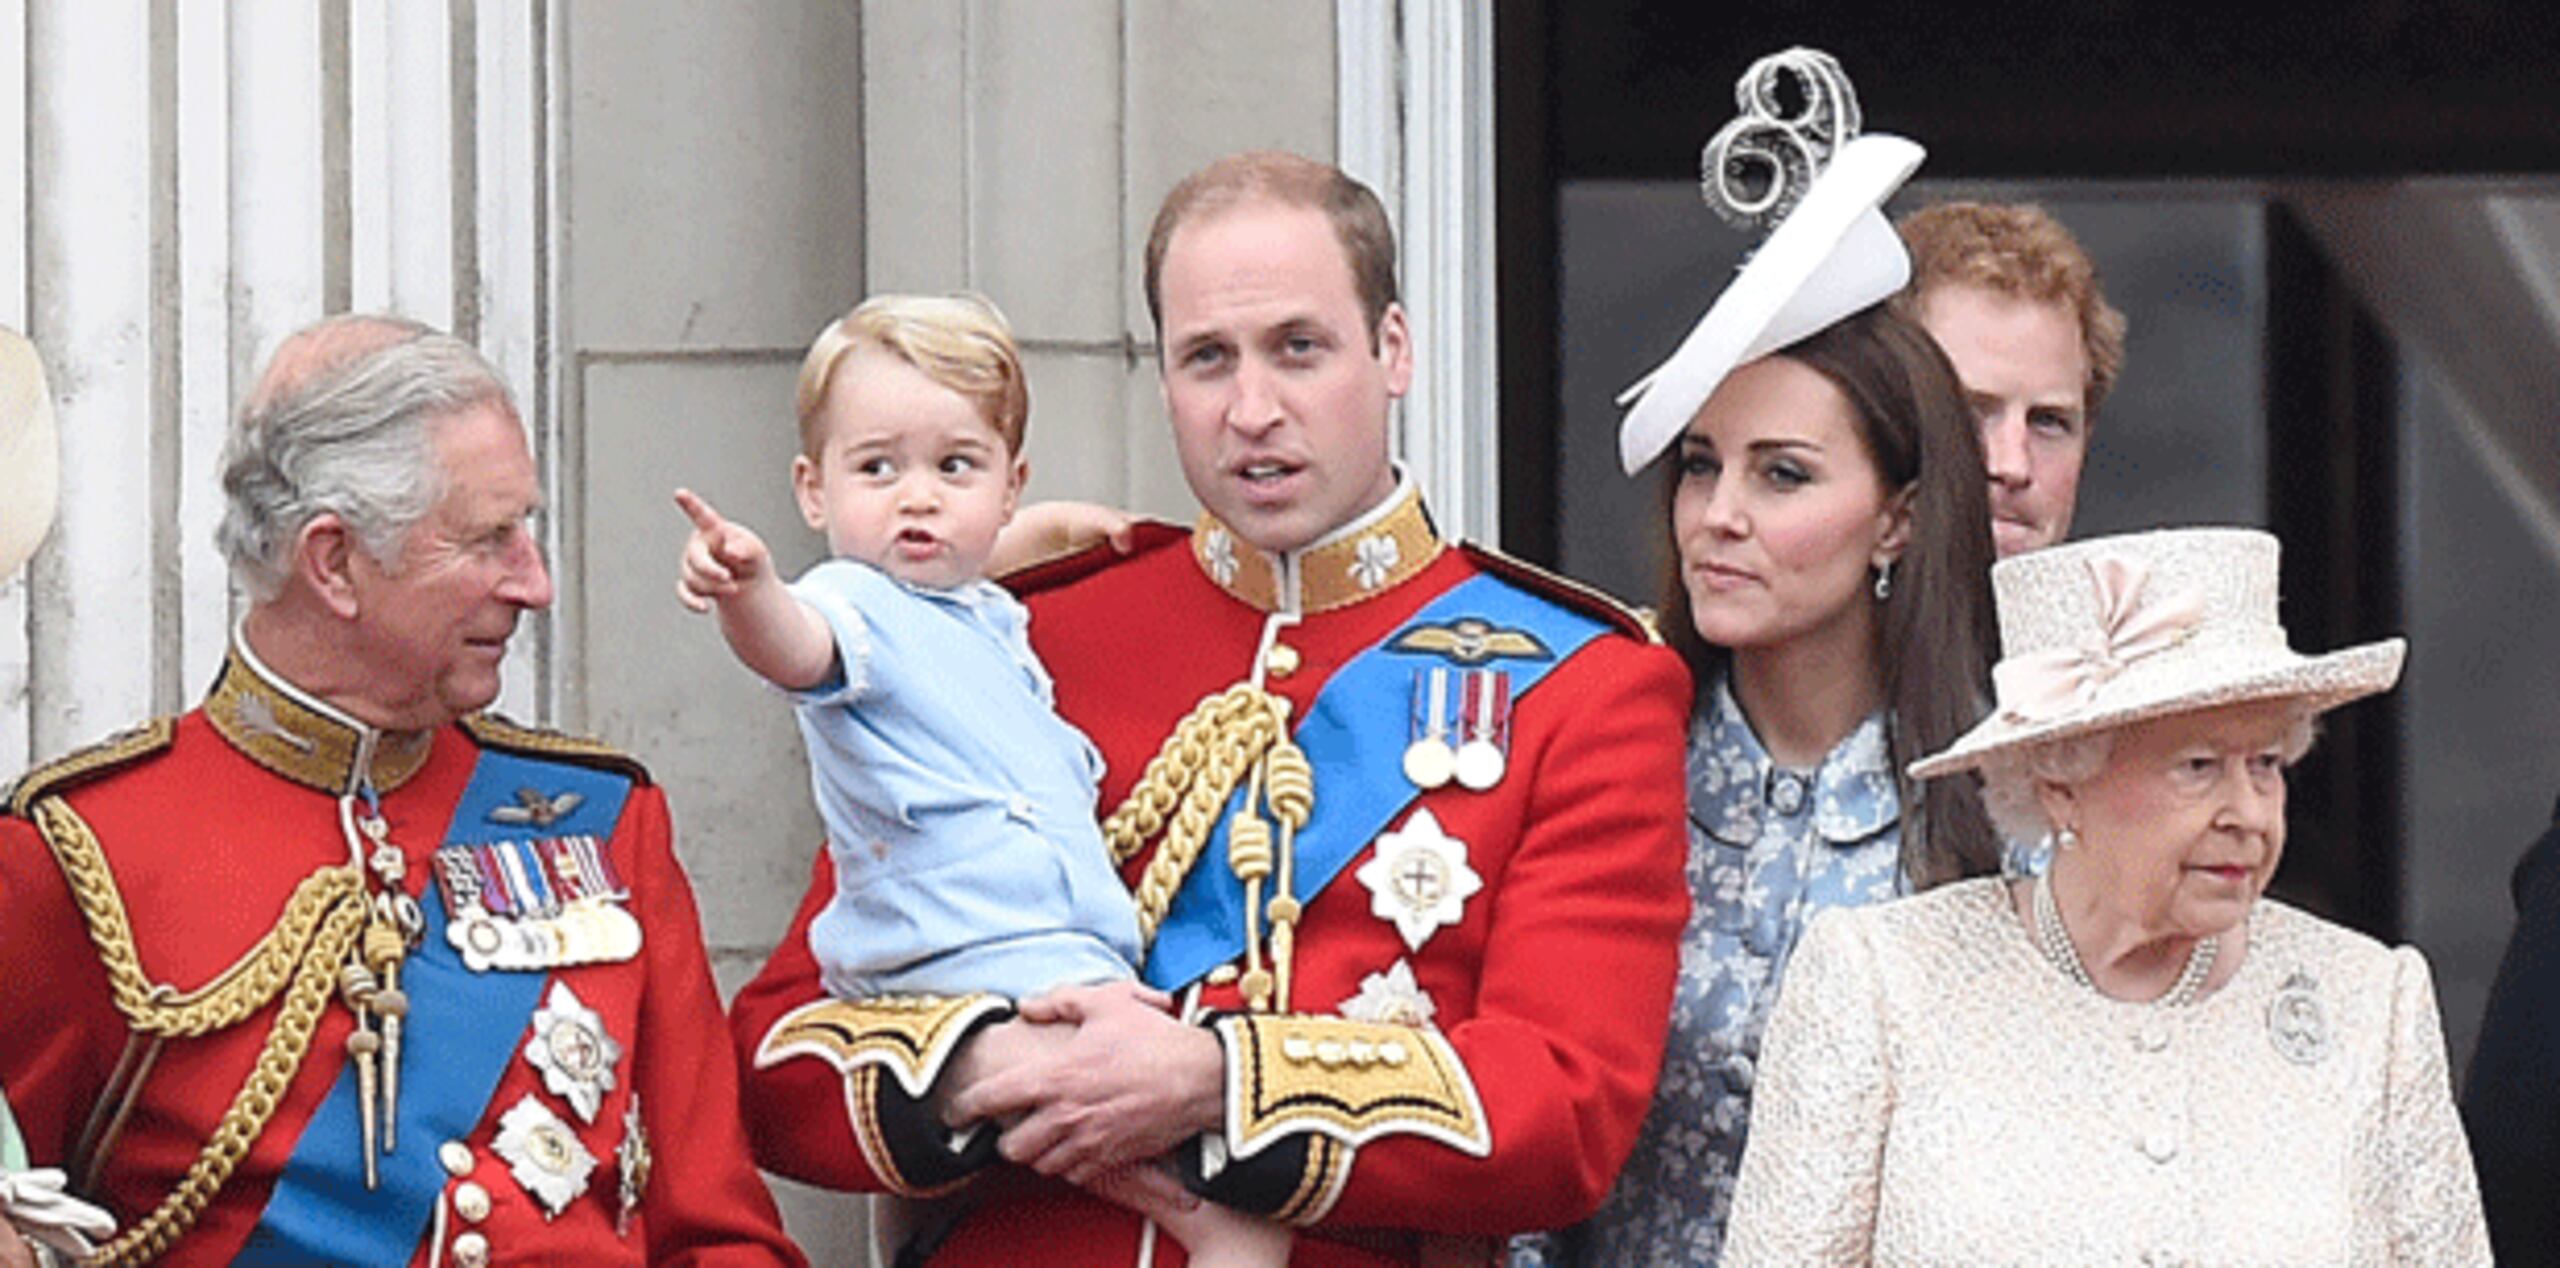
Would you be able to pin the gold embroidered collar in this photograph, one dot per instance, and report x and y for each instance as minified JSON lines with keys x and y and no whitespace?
{"x":302,"y":738}
{"x":1371,"y":555}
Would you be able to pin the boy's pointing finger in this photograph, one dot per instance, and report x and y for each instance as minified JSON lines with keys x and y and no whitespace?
{"x":699,"y":511}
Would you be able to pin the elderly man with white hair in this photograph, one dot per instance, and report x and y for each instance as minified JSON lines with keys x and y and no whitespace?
{"x":337,"y":967}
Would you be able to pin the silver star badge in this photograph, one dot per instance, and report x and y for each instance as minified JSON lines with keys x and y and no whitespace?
{"x":544,"y":1154}
{"x":1418,"y":878}
{"x":573,"y":1050}
{"x":1391,"y":998}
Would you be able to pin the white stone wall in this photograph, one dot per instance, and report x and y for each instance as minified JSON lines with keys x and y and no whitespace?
{"x":641,"y":210}
{"x":1020,"y":150}
{"x":180,"y":186}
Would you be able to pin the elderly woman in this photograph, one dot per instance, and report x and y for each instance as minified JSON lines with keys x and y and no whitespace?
{"x":2134,"y":1058}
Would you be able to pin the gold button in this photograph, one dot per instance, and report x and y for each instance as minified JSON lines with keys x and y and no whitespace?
{"x":1391,"y":1052}
{"x":470,"y":1250}
{"x":1281,"y":661}
{"x":471,"y":1202}
{"x":455,"y":1156}
{"x":1297,"y":1048}
{"x":1330,"y":1053}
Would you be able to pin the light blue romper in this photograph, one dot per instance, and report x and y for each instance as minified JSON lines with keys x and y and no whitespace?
{"x":959,"y":806}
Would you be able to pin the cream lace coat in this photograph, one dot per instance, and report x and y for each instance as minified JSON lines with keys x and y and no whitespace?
{"x":1933,"y":1091}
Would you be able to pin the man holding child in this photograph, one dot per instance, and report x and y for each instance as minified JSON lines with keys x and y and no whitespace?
{"x":1401,"y":820}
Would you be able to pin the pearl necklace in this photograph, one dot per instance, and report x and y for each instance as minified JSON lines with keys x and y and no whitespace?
{"x":2055,"y":942}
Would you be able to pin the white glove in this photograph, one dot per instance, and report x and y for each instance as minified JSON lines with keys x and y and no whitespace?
{"x":35,"y":1202}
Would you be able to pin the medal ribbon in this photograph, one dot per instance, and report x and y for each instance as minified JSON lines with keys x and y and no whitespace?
{"x":1354,"y":736}
{"x":463,"y":1029}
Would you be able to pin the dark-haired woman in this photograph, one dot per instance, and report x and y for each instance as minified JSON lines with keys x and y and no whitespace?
{"x":1826,"y":511}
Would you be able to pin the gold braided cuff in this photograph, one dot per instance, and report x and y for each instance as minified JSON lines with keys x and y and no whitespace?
{"x":1327,"y":1168}
{"x":1353,"y":1081}
{"x":910,"y":1036}
{"x":1296,"y":1182}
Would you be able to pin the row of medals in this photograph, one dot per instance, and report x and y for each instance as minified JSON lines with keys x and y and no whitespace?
{"x":1459,"y":729}
{"x":538,"y":904}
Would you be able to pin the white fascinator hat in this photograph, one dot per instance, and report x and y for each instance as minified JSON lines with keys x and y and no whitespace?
{"x":1831,"y":253}
{"x":2112,"y":631}
{"x":30,"y":461}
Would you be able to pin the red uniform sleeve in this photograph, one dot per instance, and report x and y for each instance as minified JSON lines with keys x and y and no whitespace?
{"x":705,"y":1204}
{"x":836,"y":1091}
{"x":797,"y":1120}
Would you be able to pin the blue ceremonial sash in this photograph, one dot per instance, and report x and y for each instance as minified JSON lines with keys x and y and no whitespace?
{"x":1354,"y":737}
{"x":462,"y":1029}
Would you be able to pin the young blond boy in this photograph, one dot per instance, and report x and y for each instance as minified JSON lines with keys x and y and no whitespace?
{"x":959,"y":806}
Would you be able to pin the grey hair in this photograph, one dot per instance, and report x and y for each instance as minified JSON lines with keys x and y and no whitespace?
{"x":2009,"y":777}
{"x":349,"y":437}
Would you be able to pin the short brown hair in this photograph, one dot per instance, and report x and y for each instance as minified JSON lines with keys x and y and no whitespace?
{"x":958,"y":341}
{"x":2018,"y":250}
{"x":1359,"y":220}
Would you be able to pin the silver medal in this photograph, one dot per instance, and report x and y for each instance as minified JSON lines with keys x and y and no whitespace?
{"x":1485,"y":721}
{"x":1429,"y":762}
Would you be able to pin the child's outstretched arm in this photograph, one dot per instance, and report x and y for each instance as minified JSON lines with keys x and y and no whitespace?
{"x":727,"y":565}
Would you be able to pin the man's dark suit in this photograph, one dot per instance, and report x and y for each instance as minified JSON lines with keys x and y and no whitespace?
{"x":2511,"y":1104}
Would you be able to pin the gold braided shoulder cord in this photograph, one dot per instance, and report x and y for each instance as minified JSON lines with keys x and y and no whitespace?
{"x":158,"y":1008}
{"x":298,"y":957}
{"x":1188,"y":782}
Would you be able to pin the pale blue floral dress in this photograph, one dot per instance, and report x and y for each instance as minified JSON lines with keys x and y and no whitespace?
{"x":1768,"y":847}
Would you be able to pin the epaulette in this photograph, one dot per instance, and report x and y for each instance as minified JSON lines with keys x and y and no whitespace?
{"x":82,"y":765}
{"x":1589,"y":600}
{"x":1145,"y":537}
{"x":500,"y":732}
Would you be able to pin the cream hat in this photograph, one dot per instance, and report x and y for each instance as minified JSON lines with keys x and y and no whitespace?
{"x":1831,"y":254}
{"x":2111,"y":631}
{"x":30,"y":461}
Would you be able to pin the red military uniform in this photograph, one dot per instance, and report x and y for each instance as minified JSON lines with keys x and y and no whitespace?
{"x":1469,"y":1062}
{"x":172,"y":895}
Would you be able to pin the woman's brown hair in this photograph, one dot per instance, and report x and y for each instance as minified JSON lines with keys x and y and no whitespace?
{"x":1938,"y":632}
